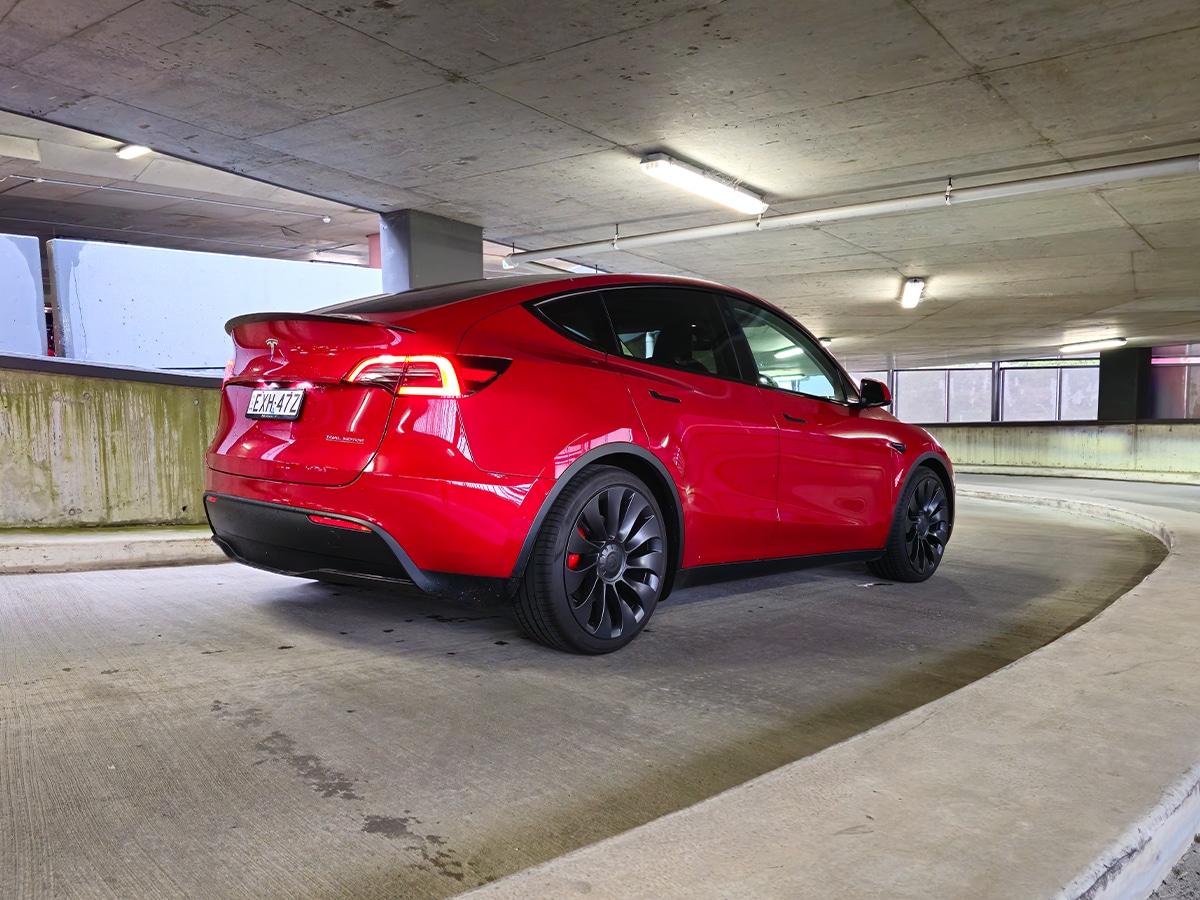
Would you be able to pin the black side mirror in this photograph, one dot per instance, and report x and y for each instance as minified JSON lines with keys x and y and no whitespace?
{"x":873,"y":393}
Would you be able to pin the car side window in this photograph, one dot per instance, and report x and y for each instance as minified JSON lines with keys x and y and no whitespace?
{"x":785,"y":357}
{"x":672,"y":327}
{"x":581,"y":318}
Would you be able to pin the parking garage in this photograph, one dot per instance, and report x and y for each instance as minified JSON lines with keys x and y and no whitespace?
{"x":1023,"y":724}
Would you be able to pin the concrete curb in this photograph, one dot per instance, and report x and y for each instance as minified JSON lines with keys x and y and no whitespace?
{"x":87,"y":549}
{"x":1022,"y":784}
{"x":1137,"y":862}
{"x":1106,"y":474}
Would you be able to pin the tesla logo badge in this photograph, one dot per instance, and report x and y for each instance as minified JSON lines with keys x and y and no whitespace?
{"x":272,"y":343}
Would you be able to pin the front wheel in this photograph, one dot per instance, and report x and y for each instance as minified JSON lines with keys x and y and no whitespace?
{"x":920,"y":529}
{"x":598,"y":565}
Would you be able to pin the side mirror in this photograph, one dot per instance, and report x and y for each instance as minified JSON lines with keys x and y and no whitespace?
{"x":873,"y":393}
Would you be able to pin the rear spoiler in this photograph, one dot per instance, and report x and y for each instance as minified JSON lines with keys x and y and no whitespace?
{"x":344,"y":318}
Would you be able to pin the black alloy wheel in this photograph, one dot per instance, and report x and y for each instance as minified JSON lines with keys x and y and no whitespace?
{"x":919,"y":532}
{"x":598,"y":566}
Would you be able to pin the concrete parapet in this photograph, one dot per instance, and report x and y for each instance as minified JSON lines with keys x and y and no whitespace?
{"x":81,"y":450}
{"x":1146,"y":451}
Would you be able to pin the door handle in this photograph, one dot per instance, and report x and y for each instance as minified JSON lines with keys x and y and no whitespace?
{"x":657,"y":396}
{"x":796,"y":419}
{"x":897,"y":446}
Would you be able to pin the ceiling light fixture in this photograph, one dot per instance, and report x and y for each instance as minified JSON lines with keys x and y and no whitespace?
{"x":789,"y":352}
{"x":914,"y":288}
{"x":1093,"y":346}
{"x":710,"y":185}
{"x":825,"y":341}
{"x":132,"y":151}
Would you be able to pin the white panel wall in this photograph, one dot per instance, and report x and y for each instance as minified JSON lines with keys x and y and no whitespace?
{"x":166,"y":309}
{"x":22,"y":304}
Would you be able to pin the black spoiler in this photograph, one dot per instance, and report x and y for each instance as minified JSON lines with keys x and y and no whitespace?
{"x":308,"y":317}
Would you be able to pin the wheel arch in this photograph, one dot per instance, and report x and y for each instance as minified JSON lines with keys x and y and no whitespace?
{"x":934,"y":462}
{"x":637,"y":461}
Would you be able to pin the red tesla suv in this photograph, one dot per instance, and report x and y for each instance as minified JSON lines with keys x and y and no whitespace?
{"x":574,"y":446}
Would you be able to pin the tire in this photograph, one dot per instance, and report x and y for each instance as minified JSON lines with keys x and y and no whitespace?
{"x":920,"y":528}
{"x":598,"y":566}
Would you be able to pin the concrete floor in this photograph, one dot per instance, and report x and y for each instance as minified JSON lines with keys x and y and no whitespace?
{"x":218,"y":731}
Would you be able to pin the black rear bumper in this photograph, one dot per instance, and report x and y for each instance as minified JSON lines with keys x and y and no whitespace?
{"x":284,"y":539}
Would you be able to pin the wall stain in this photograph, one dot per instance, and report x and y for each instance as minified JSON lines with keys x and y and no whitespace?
{"x":79,"y":450}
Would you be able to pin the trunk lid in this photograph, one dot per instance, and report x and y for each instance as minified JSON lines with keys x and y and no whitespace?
{"x":307,"y":425}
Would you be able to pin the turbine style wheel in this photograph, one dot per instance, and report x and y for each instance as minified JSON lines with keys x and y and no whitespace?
{"x":919,"y":532}
{"x":598,"y":565}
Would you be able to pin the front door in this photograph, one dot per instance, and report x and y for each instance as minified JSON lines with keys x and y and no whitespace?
{"x":835,"y":470}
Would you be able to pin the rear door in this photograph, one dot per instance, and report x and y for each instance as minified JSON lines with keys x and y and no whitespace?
{"x":835,"y":468}
{"x":710,"y":427}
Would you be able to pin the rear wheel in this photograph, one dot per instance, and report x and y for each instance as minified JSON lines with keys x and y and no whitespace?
{"x":920,"y":529}
{"x":598,"y":565}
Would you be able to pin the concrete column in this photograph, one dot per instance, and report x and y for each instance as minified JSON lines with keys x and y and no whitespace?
{"x":1125,"y":394}
{"x":420,"y":250}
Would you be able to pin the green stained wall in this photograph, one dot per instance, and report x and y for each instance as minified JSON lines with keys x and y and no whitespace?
{"x":101,"y":451}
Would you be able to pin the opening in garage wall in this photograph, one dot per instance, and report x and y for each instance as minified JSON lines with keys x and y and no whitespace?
{"x":1175,"y":381}
{"x":1039,"y":390}
{"x":1035,"y":390}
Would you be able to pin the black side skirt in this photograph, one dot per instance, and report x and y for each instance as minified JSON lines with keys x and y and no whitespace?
{"x":698,"y":575}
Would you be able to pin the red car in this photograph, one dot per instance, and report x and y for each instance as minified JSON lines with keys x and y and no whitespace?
{"x":574,"y":446}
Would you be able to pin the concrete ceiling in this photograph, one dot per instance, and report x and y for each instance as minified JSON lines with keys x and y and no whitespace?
{"x":529,"y":119}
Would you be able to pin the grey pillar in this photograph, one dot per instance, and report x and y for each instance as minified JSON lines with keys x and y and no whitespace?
{"x":420,"y":250}
{"x":1125,"y":394}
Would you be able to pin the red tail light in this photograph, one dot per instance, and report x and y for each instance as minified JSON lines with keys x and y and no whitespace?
{"x":338,"y":523}
{"x":428,"y":376}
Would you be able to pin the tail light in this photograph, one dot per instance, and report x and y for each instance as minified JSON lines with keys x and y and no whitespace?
{"x":338,"y":523}
{"x":428,"y":376}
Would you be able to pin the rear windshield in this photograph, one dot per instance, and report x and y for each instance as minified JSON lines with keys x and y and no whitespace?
{"x":427,"y":298}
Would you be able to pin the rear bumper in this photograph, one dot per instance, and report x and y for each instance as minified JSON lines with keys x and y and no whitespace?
{"x":284,"y":539}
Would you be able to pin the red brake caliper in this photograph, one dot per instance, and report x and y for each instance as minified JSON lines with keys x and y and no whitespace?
{"x":573,"y":558}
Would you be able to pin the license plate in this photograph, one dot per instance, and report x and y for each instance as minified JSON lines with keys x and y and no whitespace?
{"x":275,"y":404}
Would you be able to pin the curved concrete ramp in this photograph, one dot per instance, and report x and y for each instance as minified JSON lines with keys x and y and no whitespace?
{"x":1072,"y":772}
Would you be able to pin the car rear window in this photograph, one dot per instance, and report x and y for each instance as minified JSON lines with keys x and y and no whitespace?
{"x":427,"y":298}
{"x":581,"y":318}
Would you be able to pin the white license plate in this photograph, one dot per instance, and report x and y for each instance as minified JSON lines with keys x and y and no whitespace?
{"x":275,"y":404}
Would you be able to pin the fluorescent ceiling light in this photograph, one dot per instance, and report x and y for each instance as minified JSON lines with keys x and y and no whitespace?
{"x":913,"y":289}
{"x":709,"y":185}
{"x":825,"y":341}
{"x":1093,"y":346}
{"x":789,"y":352}
{"x":132,"y":151}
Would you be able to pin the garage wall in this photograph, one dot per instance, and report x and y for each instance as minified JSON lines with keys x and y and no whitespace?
{"x":1150,"y":451}
{"x":22,"y":306}
{"x":89,"y":445}
{"x":101,"y":449}
{"x":166,"y":309}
